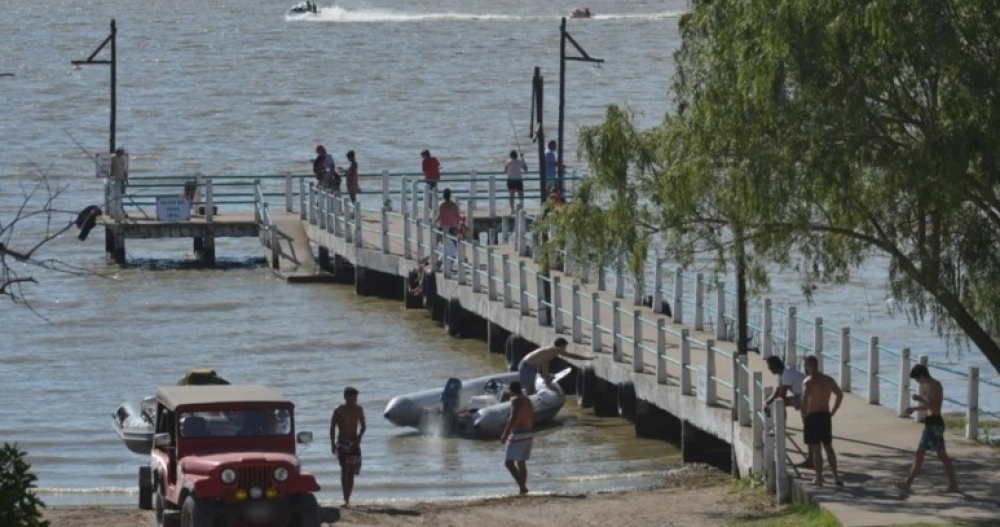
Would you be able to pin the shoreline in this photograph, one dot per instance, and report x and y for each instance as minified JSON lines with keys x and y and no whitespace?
{"x":693,"y":496}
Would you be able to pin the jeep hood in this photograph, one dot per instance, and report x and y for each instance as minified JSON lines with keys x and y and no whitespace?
{"x":207,"y":463}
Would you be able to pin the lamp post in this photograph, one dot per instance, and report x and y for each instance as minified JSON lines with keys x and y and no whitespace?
{"x":113,"y":64}
{"x":563,"y":37}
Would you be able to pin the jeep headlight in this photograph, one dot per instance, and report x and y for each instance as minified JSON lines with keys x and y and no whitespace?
{"x":280,"y":474}
{"x":228,"y":476}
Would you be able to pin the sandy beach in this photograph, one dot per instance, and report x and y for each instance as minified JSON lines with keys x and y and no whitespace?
{"x":695,"y":496}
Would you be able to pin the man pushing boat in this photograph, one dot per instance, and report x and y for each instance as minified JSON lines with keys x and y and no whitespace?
{"x":539,"y":361}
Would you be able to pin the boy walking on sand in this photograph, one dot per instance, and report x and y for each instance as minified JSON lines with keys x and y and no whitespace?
{"x":932,"y":439}
{"x":347,"y":426}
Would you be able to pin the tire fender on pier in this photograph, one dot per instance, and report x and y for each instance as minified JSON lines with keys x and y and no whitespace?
{"x":514,"y":351}
{"x":586,"y":387}
{"x":453,"y":317}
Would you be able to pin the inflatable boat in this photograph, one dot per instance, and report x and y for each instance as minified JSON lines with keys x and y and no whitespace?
{"x":473,"y":408}
{"x":581,"y":12}
{"x":133,"y":422}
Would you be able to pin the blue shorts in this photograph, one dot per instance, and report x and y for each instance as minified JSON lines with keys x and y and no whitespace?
{"x":527,"y":373}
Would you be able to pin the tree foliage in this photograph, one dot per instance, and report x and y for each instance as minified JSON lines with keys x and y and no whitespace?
{"x":19,"y":507}
{"x":824,"y":133}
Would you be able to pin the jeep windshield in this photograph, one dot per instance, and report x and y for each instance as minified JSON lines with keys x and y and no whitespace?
{"x":263,"y":422}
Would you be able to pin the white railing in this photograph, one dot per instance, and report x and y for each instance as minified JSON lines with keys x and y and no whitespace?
{"x":572,"y":309}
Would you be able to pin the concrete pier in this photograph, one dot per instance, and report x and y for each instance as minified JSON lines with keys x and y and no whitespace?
{"x":674,"y":381}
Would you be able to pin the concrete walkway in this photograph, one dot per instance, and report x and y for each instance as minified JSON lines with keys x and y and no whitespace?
{"x":874,"y":446}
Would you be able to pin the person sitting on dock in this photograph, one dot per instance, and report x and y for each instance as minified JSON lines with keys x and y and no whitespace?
{"x":539,"y":361}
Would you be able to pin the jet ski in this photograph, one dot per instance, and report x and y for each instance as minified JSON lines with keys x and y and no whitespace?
{"x":303,"y":8}
{"x":477,"y":408}
{"x":581,"y":12}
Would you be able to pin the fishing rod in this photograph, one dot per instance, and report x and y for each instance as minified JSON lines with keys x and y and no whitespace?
{"x":513,"y":130}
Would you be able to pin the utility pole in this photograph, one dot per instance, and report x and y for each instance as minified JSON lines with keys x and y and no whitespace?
{"x":537,"y":132}
{"x":563,"y":37}
{"x":114,"y":67}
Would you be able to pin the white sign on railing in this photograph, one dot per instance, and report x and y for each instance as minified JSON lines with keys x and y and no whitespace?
{"x":102,"y":164}
{"x":173,"y":208}
{"x":702,"y":385}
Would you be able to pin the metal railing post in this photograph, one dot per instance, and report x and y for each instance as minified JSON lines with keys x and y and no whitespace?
{"x":407,"y":250}
{"x":720,"y":311}
{"x":493,"y":196}
{"x":711,"y":397}
{"x":385,"y":230}
{"x":543,"y":320}
{"x":658,"y":287}
{"x":596,"y":333}
{"x":460,"y":260}
{"x":782,"y":489}
{"x":386,"y":199}
{"x":508,"y":300}
{"x":577,"y":319}
{"x":845,"y":359}
{"x":616,"y":331}
{"x":766,"y":340}
{"x":491,"y":283}
{"x":303,"y":200}
{"x":557,"y":315}
{"x":903,"y":399}
{"x":972,"y":406}
{"x":288,"y":193}
{"x":685,"y":346}
{"x":757,"y":422}
{"x":792,"y":338}
{"x":637,"y":359}
{"x":744,"y":390}
{"x":476,"y":287}
{"x":818,"y":341}
{"x":470,"y":221}
{"x":873,"y":395}
{"x":209,"y":202}
{"x":678,"y":295}
{"x":661,"y":351}
{"x":699,"y":302}
{"x":522,"y":286}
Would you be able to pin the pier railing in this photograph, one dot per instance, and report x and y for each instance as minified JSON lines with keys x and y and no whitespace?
{"x":861,"y":364}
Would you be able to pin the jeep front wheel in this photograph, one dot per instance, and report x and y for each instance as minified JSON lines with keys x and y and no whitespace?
{"x":145,"y":488}
{"x":307,"y":514}
{"x":196,"y":513}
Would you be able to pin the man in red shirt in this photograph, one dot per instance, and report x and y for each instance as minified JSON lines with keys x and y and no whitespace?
{"x":432,"y":169}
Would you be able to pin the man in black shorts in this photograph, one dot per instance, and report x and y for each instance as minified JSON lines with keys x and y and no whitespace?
{"x":515,"y":168}
{"x":817,"y":418}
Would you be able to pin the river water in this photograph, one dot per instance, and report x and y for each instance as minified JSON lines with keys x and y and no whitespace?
{"x":237,"y":87}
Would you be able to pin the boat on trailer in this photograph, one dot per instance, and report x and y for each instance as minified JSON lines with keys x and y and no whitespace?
{"x":477,"y":408}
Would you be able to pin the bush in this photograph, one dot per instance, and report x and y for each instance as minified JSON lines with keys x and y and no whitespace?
{"x":19,"y":507}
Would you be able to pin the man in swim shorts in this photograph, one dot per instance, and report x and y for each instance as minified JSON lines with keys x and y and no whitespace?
{"x":347,"y":426}
{"x":817,"y":417}
{"x":539,"y":361}
{"x":517,"y":436}
{"x":932,"y":438}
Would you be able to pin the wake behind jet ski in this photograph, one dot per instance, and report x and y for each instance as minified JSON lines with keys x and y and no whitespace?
{"x":304,"y":8}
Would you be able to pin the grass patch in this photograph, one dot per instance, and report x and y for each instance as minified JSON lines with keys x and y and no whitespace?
{"x":955,"y":423}
{"x":762,"y":512}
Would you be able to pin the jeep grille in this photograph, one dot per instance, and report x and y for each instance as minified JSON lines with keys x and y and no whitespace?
{"x":254,"y":476}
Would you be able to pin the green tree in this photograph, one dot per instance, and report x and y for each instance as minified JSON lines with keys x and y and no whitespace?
{"x":19,"y":507}
{"x":825,"y":133}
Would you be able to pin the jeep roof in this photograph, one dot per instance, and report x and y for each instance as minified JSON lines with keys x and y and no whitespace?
{"x":174,"y":396}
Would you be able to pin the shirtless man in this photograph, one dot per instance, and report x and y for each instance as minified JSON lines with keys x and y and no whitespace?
{"x":539,"y":361}
{"x":817,"y":417}
{"x":932,"y":438}
{"x":517,"y":436}
{"x":345,"y":438}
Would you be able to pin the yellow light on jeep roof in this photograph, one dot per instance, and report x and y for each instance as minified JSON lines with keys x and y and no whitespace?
{"x":271,"y":493}
{"x":241,"y":495}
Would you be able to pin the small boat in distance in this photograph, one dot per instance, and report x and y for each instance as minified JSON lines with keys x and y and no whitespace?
{"x":581,"y":12}
{"x":303,"y":8}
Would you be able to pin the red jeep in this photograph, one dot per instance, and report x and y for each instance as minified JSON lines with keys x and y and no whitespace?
{"x":224,"y":456}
